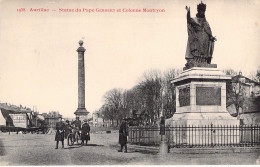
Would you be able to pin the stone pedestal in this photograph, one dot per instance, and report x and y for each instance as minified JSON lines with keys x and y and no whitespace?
{"x":81,"y":111}
{"x":201,"y":98}
{"x":163,"y":149}
{"x":201,"y":113}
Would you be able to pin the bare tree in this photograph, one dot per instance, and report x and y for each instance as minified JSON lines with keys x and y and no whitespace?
{"x":151,"y":89}
{"x":255,"y":76}
{"x":235,"y":94}
{"x":113,"y":101}
{"x":146,"y":98}
{"x":107,"y":113}
{"x":258,"y":74}
{"x":169,"y":97}
{"x":230,"y":71}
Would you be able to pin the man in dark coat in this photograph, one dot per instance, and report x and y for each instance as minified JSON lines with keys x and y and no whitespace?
{"x":60,"y":128}
{"x":77,"y":124}
{"x":85,"y":129}
{"x":68,"y":128}
{"x":123,"y":133}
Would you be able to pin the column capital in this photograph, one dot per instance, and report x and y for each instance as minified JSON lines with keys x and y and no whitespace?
{"x":81,"y":48}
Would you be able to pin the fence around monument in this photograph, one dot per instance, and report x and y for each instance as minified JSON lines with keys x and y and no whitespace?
{"x":144,"y":135}
{"x":197,"y":136}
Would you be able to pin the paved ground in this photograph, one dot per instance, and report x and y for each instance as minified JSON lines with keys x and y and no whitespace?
{"x":38,"y":149}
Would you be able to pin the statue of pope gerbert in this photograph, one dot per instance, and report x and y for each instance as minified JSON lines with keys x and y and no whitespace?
{"x":200,"y":44}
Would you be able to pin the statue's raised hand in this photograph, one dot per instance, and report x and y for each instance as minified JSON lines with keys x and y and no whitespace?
{"x":213,"y":39}
{"x":187,"y":8}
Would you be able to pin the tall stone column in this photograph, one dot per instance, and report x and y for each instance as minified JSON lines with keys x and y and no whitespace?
{"x":81,"y":111}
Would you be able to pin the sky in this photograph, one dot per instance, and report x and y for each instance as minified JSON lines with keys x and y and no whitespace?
{"x":38,"y":58}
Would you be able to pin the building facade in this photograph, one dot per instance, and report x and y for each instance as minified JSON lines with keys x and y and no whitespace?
{"x":51,"y":118}
{"x":245,"y":103}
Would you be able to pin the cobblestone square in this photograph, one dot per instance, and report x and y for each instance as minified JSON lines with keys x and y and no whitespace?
{"x":38,"y":149}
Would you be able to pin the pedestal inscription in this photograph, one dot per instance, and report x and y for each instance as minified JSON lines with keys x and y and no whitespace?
{"x":208,"y":96}
{"x":184,"y":96}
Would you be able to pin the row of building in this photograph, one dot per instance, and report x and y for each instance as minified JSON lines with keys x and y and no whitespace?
{"x":36,"y":119}
{"x":25,"y":117}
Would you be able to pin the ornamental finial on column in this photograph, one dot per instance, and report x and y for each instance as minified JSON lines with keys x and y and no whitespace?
{"x":81,"y":43}
{"x":81,"y":48}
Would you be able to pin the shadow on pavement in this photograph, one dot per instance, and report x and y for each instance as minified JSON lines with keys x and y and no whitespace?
{"x":71,"y":147}
{"x":2,"y":148}
{"x":79,"y":145}
{"x":129,"y":152}
{"x":147,"y":152}
{"x":94,"y":145}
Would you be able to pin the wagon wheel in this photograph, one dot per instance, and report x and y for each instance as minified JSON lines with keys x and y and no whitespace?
{"x":70,"y":140}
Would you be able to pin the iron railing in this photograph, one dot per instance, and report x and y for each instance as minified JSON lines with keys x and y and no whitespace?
{"x":144,"y":135}
{"x":198,"y":136}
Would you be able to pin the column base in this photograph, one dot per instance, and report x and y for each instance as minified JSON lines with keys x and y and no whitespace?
{"x":82,"y":113}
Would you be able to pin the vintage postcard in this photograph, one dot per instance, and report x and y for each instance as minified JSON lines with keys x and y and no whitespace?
{"x":129,"y":82}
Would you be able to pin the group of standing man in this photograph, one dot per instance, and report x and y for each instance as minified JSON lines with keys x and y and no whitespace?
{"x":63,"y":129}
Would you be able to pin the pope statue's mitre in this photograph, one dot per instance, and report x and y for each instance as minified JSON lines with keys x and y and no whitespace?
{"x":201,"y":6}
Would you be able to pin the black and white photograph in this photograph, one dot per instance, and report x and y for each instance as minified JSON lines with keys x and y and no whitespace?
{"x":129,"y":82}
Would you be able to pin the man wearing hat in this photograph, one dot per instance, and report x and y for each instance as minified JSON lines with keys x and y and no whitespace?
{"x":77,"y":124}
{"x":123,"y":133}
{"x":85,"y":129}
{"x":68,"y":128}
{"x":60,"y":128}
